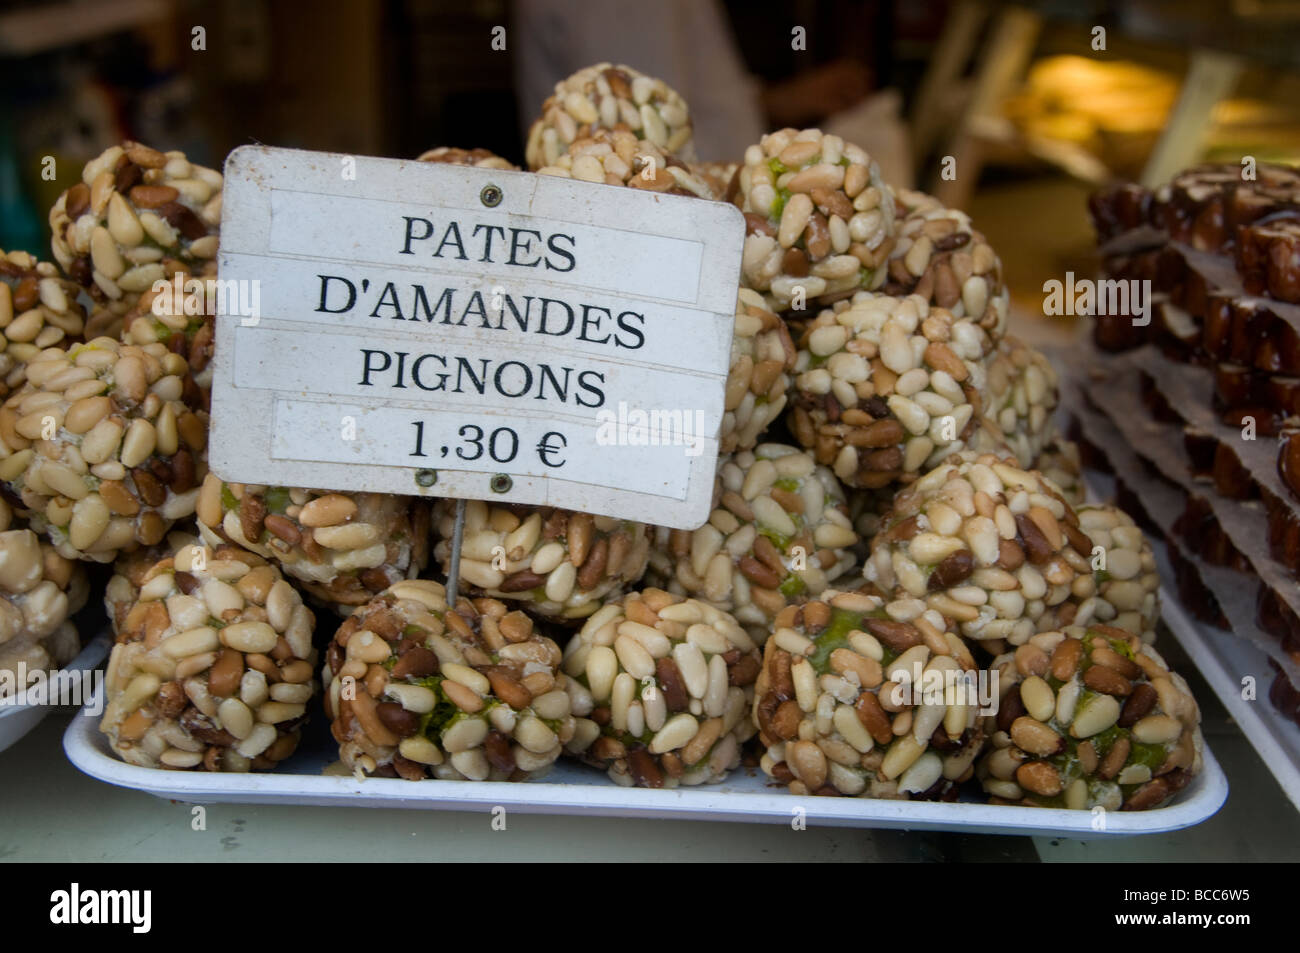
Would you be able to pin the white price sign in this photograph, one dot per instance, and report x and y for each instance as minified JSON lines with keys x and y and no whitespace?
{"x":417,"y":328}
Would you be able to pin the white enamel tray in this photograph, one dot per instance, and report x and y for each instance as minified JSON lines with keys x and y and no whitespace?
{"x":575,"y":789}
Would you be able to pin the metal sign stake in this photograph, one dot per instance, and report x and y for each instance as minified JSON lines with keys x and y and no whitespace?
{"x":453,"y":570}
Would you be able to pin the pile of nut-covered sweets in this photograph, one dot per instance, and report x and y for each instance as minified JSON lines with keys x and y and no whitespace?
{"x":895,"y":521}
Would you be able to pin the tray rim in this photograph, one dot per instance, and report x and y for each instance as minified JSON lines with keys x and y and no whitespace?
{"x":88,"y":751}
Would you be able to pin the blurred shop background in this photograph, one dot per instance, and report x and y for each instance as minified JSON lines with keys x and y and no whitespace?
{"x":1035,"y":104}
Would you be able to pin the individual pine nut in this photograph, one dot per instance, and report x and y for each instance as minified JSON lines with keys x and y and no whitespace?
{"x":634,"y":658}
{"x":805,"y":683}
{"x":421,"y":750}
{"x":292,"y":694}
{"x":221,"y":597}
{"x":676,"y":732}
{"x":464,"y":735}
{"x":1035,"y":737}
{"x":695,"y":672}
{"x":1100,"y":713}
{"x":348,"y":536}
{"x":190,"y":642}
{"x":364,"y":646}
{"x":414,"y":698}
{"x":553,"y":705}
{"x":90,"y":517}
{"x":249,"y":636}
{"x":620,"y":699}
{"x":706,"y":639}
{"x":473,"y":764}
{"x":653,"y":641}
{"x":793,"y":642}
{"x":176,"y":758}
{"x":547,"y":558}
{"x":1157,"y":730}
{"x":236,"y":718}
{"x":715,"y":697}
{"x":1039,"y":699}
{"x":86,"y":413}
{"x":900,"y":756}
{"x":139,"y":443}
{"x":466,"y":676}
{"x":561,"y":581}
{"x":601,"y":668}
{"x":328,"y":510}
{"x":533,"y":734}
{"x":259,"y":739}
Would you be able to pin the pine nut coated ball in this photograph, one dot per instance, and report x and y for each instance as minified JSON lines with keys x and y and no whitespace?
{"x":101,"y":447}
{"x":342,"y":548}
{"x":661,"y":688}
{"x":885,"y":388}
{"x":137,"y":216}
{"x":38,"y":309}
{"x":819,"y":219}
{"x":214,"y":668}
{"x":779,"y":534}
{"x":555,"y":563}
{"x":990,"y":546}
{"x":417,"y":689}
{"x":610,"y":97}
{"x":1090,"y":717}
{"x":863,"y":698}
